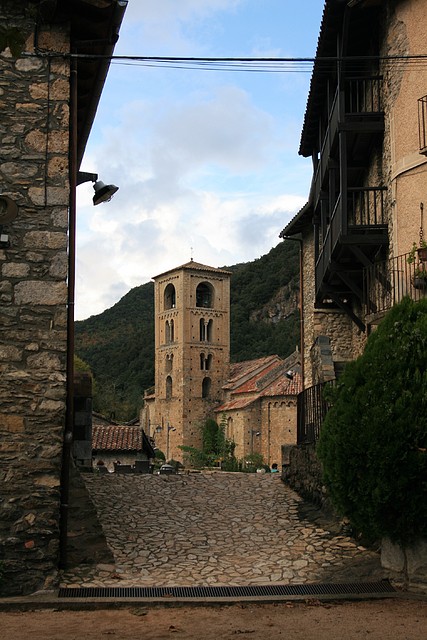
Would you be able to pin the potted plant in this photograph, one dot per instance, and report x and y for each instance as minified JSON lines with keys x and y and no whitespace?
{"x":419,"y":279}
{"x":419,"y":251}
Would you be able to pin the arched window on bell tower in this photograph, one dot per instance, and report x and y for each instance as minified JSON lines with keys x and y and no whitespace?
{"x":168,"y":388}
{"x":205,"y":295}
{"x":206,"y":327}
{"x":205,"y":362}
{"x":169,"y":363}
{"x":169,"y":301}
{"x":169,"y":331}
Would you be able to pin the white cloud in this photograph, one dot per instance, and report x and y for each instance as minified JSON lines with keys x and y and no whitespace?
{"x":170,"y":10}
{"x":205,"y":163}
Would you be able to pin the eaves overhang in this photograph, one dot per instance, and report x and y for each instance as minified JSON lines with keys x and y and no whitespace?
{"x":299,"y":222}
{"x":94,"y":32}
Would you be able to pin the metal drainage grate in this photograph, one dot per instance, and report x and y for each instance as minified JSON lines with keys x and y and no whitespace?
{"x":359,"y":588}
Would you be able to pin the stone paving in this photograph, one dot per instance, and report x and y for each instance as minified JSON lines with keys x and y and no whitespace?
{"x":215,"y":529}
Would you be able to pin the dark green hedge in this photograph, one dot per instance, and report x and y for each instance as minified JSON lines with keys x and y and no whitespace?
{"x":374,"y":439}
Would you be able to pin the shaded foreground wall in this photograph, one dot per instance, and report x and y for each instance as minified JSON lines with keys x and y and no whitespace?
{"x":303,"y":473}
{"x":34,"y":142}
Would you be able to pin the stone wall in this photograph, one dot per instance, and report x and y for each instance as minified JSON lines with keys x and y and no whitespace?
{"x":34,"y":141}
{"x":303,"y":473}
{"x":278,"y":426}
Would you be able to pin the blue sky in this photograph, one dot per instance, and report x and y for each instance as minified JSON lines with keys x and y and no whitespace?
{"x":206,"y":161}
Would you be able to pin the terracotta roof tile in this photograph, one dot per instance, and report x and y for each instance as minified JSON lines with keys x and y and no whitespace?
{"x":255,"y":383}
{"x":283,"y":386}
{"x":195,"y":266}
{"x":117,"y":438}
{"x":239,"y":403}
{"x":241,"y":370}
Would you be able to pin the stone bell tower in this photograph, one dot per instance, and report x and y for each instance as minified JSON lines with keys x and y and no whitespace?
{"x":192,"y":352}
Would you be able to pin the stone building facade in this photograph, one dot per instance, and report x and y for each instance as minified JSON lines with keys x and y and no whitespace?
{"x":38,"y":165}
{"x":364,"y":128}
{"x":260,"y":406}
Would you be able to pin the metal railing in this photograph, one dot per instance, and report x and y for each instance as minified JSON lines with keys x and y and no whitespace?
{"x":311,"y":411}
{"x":388,"y":282}
{"x":422,"y":124}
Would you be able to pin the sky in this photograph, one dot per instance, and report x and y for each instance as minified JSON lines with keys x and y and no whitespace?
{"x":206,"y":160}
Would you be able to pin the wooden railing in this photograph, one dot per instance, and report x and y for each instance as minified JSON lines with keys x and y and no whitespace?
{"x":362,"y":210}
{"x":358,"y":98}
{"x":363,"y":95}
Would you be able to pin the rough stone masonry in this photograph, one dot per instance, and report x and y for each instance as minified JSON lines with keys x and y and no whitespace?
{"x":34,"y":143}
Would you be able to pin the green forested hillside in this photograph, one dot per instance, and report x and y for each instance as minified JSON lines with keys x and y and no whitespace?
{"x":118,"y":344}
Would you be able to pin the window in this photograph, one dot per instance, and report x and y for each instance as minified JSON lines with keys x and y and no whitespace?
{"x":205,"y":362}
{"x":169,"y":297}
{"x":169,"y":331}
{"x":206,"y":330}
{"x":206,"y":387}
{"x":204,"y":295}
{"x":169,"y":363}
{"x":168,"y":388}
{"x":230,"y":429}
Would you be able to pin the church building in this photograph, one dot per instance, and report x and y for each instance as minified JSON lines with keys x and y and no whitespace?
{"x":193,"y":376}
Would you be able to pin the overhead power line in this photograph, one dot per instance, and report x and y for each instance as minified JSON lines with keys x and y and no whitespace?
{"x":259,"y":65}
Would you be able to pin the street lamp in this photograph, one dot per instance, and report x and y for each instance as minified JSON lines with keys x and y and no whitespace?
{"x":254,"y":432}
{"x":169,"y":429}
{"x":159,"y":428}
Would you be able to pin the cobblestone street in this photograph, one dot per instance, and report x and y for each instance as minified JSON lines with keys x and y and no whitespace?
{"x":215,"y":529}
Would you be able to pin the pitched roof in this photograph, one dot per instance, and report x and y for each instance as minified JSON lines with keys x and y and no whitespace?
{"x":120,"y":438}
{"x":264,"y":377}
{"x":359,"y":23}
{"x":260,"y":379}
{"x":283,"y":386}
{"x":194,"y":266}
{"x":242,"y":371}
{"x":236,"y":403}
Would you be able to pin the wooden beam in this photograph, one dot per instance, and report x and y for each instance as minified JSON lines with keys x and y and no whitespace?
{"x":345,"y":307}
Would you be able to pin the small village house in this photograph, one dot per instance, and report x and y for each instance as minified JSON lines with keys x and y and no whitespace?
{"x":120,"y":448}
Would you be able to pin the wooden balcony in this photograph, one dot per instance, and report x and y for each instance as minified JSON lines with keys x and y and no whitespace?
{"x":356,"y":231}
{"x":356,"y":110}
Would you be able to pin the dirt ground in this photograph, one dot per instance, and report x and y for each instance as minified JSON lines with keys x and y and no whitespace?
{"x":388,"y":619}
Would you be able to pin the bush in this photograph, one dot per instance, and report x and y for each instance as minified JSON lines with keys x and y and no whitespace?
{"x":252,"y":462}
{"x":374,"y":438}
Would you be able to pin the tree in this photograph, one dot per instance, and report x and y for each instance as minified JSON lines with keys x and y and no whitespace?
{"x":81,"y":365}
{"x":215,"y":447}
{"x":374,"y":438}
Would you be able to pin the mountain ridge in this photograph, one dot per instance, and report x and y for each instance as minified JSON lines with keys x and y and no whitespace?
{"x":118,"y":344}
